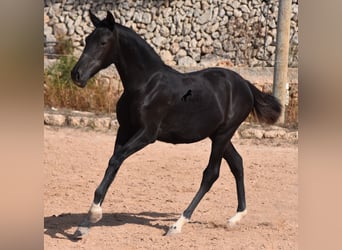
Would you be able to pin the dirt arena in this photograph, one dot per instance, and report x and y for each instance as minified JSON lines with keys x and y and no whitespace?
{"x":156,"y":184}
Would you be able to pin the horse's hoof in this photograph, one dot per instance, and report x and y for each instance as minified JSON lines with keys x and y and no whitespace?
{"x":177,"y":227}
{"x":95,"y":213}
{"x":80,"y":232}
{"x":173,"y":230}
{"x":237,"y":218}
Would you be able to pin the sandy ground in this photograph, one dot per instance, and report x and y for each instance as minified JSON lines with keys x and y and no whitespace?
{"x":156,"y":184}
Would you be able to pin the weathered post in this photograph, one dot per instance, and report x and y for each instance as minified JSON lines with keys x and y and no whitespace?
{"x":282,"y":55}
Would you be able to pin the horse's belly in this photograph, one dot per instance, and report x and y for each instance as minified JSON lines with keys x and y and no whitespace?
{"x":177,"y":138}
{"x":188,"y":129}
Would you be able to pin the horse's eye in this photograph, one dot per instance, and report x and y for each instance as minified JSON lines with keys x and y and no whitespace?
{"x":103,"y":43}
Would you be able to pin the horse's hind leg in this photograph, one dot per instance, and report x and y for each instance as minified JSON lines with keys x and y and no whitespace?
{"x":234,"y":161}
{"x":210,"y":175}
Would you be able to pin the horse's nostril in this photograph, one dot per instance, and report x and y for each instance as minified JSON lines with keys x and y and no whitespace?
{"x":77,"y":76}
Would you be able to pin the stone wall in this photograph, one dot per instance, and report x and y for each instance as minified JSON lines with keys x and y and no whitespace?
{"x":184,"y":32}
{"x":87,"y":120}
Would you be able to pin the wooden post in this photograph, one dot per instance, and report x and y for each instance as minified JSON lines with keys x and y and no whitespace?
{"x":282,"y":55}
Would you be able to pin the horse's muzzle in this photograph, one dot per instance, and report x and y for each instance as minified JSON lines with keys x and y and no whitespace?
{"x":76,"y":78}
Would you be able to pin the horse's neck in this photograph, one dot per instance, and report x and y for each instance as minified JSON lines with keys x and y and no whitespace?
{"x":136,"y":60}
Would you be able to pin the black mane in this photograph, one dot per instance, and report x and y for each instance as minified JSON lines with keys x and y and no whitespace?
{"x":135,"y":43}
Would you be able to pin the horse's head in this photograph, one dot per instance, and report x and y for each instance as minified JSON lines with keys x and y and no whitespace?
{"x":98,"y":52}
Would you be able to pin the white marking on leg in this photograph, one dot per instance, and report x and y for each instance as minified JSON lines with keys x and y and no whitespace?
{"x":95,"y":213}
{"x":177,"y":227}
{"x":237,"y":217}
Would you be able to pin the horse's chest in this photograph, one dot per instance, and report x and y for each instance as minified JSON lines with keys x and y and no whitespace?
{"x":128,"y":111}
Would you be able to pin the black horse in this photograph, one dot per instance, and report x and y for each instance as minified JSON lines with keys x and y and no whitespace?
{"x":160,"y":103}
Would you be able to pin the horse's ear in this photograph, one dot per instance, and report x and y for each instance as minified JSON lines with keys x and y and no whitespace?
{"x":110,"y":20}
{"x":96,"y":22}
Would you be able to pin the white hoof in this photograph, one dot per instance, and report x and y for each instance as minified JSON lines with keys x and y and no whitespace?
{"x":80,"y":232}
{"x":177,"y":227}
{"x":237,"y":217}
{"x":95,"y":213}
{"x":173,"y":230}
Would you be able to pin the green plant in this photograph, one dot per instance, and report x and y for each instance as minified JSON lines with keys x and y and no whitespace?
{"x":59,"y":73}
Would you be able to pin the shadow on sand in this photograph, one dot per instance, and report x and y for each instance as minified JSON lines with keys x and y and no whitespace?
{"x":54,"y":226}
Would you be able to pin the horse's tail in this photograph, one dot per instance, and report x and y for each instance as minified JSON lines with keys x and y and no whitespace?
{"x":267,"y":108}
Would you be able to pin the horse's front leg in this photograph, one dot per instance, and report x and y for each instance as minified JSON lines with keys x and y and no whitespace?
{"x":122,"y":150}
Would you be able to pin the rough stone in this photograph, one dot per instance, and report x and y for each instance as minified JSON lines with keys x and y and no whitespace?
{"x":60,"y":30}
{"x":137,"y":17}
{"x":235,"y":4}
{"x":237,"y":13}
{"x":47,"y":30}
{"x":46,"y":18}
{"x":158,"y":41}
{"x":207,"y":49}
{"x":175,"y":48}
{"x":186,"y":29}
{"x":79,"y":30}
{"x":146,"y":18}
{"x":292,"y":135}
{"x":78,"y":21}
{"x":195,"y":54}
{"x":193,"y":43}
{"x":186,"y":61}
{"x":244,"y":8}
{"x":54,"y":119}
{"x":213,"y":28}
{"x":181,"y":53}
{"x":151,"y":26}
{"x":102,"y":123}
{"x":252,"y":133}
{"x":164,"y":31}
{"x":279,"y":133}
{"x":56,"y":8}
{"x":166,"y":56}
{"x":204,"y":18}
{"x":78,"y":121}
{"x":114,"y":124}
{"x":217,"y":44}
